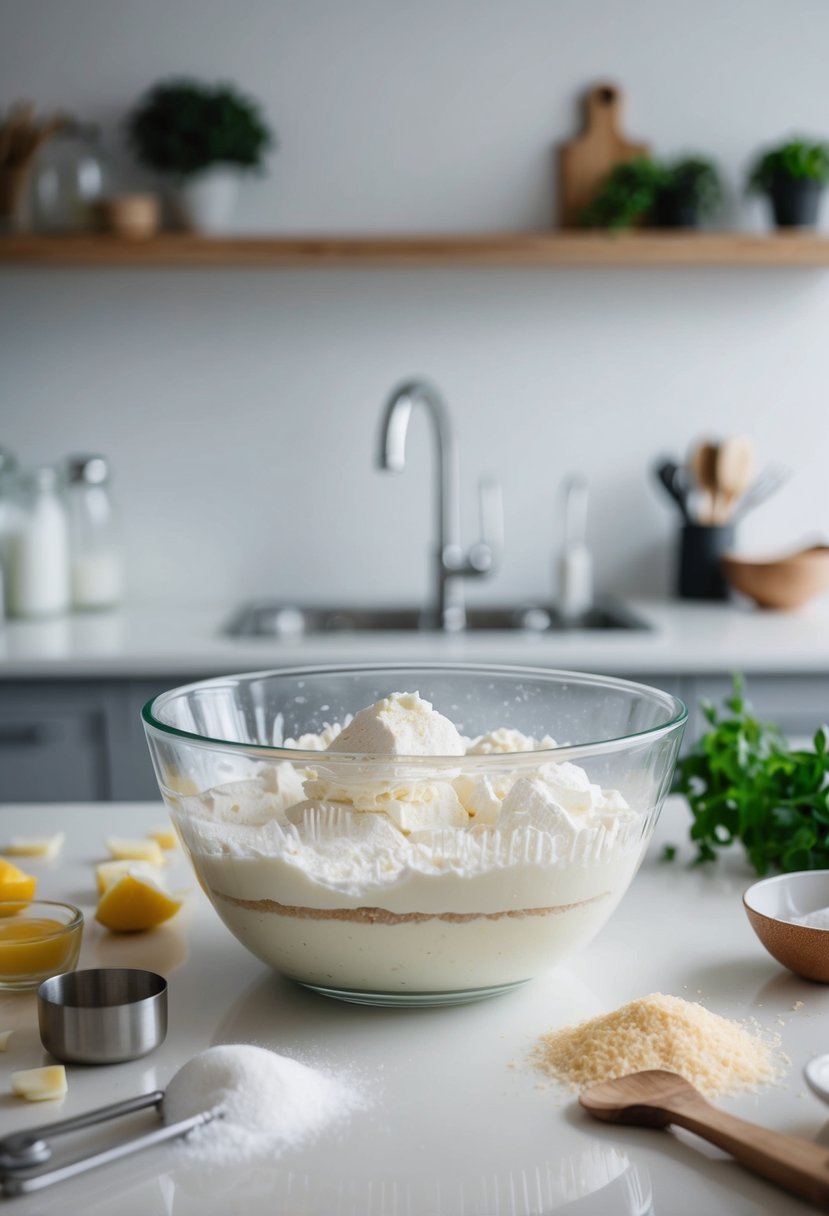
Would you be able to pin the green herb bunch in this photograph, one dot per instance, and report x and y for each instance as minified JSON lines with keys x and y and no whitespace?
{"x":626,"y":195}
{"x":182,"y":126}
{"x":798,"y":160}
{"x":744,"y":783}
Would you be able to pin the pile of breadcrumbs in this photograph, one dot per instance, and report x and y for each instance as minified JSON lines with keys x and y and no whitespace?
{"x":716,"y":1055}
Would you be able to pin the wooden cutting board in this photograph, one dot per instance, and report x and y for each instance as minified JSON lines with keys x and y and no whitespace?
{"x":585,"y":161}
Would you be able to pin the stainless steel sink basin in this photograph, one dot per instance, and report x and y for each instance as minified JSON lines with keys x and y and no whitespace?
{"x":268,"y":619}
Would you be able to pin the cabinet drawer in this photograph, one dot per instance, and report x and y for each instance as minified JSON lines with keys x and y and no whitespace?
{"x":52,"y":755}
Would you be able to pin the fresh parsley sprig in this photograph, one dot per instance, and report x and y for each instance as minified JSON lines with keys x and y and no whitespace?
{"x":743,"y":782}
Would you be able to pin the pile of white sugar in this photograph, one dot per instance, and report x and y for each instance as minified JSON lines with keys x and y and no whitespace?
{"x":269,"y":1103}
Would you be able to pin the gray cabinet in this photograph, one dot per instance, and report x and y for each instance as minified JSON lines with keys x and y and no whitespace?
{"x":797,"y":704}
{"x":133,"y":779}
{"x":82,"y":740}
{"x":53,"y":744}
{"x":76,"y":740}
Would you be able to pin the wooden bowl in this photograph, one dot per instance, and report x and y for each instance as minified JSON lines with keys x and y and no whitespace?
{"x":770,"y":903}
{"x":782,"y":582}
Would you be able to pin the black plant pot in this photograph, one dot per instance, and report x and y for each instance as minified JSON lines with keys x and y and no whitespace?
{"x":795,"y":201}
{"x":672,"y":209}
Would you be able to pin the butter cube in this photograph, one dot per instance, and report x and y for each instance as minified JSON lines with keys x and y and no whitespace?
{"x":5,"y":1035}
{"x":41,"y":1084}
{"x":108,"y":872}
{"x":36,"y":846}
{"x":164,"y":837}
{"x":124,"y":849}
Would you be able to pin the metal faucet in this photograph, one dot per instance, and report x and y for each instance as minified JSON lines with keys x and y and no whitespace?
{"x":451,"y":563}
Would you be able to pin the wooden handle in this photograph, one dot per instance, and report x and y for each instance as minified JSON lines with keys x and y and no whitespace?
{"x":603,"y":107}
{"x":794,"y":1164}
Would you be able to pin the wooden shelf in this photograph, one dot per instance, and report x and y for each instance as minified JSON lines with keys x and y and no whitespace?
{"x":584,"y":249}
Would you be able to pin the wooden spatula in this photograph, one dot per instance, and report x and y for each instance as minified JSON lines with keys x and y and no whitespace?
{"x":584,"y":162}
{"x":735,"y":469}
{"x":703,"y":466}
{"x":658,"y":1099}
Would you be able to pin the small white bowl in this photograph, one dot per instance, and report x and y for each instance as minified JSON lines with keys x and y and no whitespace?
{"x":771,"y":903}
{"x":816,"y":1075}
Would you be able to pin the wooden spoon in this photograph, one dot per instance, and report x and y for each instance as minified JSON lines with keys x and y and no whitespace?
{"x":703,"y":466}
{"x":734,"y":471}
{"x":658,"y":1098}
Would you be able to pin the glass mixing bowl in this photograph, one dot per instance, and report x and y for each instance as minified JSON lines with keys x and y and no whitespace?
{"x":390,"y":879}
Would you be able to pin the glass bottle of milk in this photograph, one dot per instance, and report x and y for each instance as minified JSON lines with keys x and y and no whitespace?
{"x":38,"y":548}
{"x":95,"y":557}
{"x":8,"y":468}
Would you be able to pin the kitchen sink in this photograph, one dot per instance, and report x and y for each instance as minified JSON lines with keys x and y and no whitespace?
{"x":269,"y":619}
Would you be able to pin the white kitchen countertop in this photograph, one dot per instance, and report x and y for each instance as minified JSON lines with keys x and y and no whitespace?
{"x":457,"y":1123}
{"x":685,"y":638}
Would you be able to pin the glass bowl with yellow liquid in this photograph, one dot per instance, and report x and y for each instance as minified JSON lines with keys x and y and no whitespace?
{"x":38,"y":938}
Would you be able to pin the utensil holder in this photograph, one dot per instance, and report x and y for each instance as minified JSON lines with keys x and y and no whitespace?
{"x":701,"y":548}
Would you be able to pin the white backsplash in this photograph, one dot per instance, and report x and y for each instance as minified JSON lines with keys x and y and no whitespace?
{"x":240,"y":410}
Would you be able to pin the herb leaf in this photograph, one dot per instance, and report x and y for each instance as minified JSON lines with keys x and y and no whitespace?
{"x":744,"y":783}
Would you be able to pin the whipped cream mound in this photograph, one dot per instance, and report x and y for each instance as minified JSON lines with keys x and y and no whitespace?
{"x":482,"y":797}
{"x":402,"y":724}
{"x":253,"y":803}
{"x":349,"y":822}
{"x":319,"y":741}
{"x":536,"y":803}
{"x":396,"y":706}
{"x":504,"y":740}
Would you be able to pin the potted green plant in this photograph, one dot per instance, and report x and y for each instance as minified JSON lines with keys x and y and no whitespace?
{"x":793,"y":177}
{"x":204,"y":137}
{"x":644,"y":190}
{"x":689,"y":191}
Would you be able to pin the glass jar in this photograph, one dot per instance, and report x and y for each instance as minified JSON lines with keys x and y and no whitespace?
{"x":8,"y":468}
{"x":38,"y":548}
{"x":95,"y":556}
{"x":69,"y":178}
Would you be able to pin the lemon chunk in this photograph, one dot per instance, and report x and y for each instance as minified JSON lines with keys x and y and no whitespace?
{"x":36,"y":846}
{"x":124,"y":849}
{"x":5,"y":1035}
{"x":133,"y":903}
{"x":40,"y":1084}
{"x":14,"y":883}
{"x":165,"y":838}
{"x":108,"y":872}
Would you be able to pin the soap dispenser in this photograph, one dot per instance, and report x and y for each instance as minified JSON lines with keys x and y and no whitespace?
{"x":575,"y":563}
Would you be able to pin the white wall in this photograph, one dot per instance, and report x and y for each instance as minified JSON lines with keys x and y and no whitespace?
{"x":240,"y":408}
